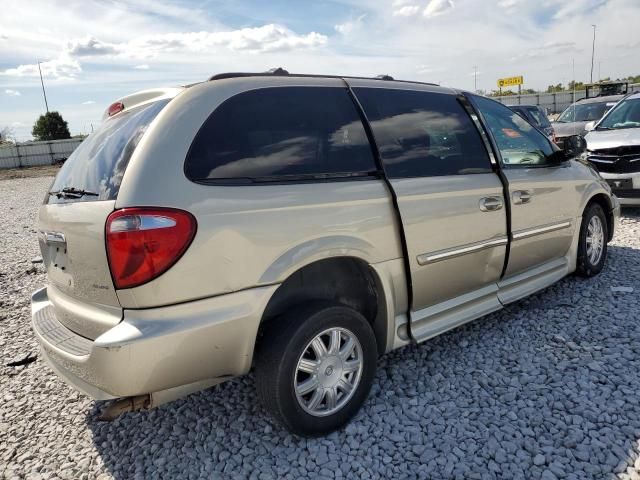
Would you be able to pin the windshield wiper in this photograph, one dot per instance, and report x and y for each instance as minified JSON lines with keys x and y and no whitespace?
{"x":71,"y":192}
{"x":604,"y":128}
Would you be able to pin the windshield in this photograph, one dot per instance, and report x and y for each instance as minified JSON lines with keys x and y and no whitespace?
{"x":99,"y":162}
{"x":625,"y":115}
{"x":583,"y":112}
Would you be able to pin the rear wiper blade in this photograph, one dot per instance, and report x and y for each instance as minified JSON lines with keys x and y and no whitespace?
{"x":71,"y":192}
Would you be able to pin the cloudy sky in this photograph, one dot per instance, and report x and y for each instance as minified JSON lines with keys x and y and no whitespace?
{"x":93,"y":51}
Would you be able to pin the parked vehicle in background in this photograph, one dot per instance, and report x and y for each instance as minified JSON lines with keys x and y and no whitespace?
{"x":599,"y":99}
{"x":613,"y":146}
{"x":573,"y":120}
{"x":537,"y":117}
{"x":299,"y":226}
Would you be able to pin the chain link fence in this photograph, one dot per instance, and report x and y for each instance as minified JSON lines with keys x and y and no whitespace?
{"x":553,"y":102}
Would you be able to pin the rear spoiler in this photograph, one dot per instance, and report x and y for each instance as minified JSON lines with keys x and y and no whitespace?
{"x":140,"y":98}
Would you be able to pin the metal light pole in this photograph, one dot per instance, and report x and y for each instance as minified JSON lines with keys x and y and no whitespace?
{"x":593,"y":50}
{"x":44,"y":94}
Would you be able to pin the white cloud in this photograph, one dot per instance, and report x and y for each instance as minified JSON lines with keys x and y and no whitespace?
{"x":88,"y":102}
{"x":264,"y":39}
{"x":89,"y":47}
{"x":349,"y":26}
{"x":546,"y":50}
{"x":406,"y":11}
{"x":61,"y":67}
{"x":142,"y":67}
{"x":267,"y":38}
{"x":14,"y":93}
{"x":438,"y":7}
{"x":509,"y":3}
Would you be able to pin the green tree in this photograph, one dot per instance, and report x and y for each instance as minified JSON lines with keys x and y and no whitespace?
{"x":50,"y":126}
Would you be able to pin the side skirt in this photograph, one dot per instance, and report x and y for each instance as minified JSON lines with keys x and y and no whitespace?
{"x":432,"y":321}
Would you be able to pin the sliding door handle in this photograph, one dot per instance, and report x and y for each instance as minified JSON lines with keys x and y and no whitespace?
{"x":522,"y":196}
{"x":490,"y":204}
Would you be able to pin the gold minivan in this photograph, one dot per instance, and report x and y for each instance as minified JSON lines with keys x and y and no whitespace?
{"x":299,"y":226}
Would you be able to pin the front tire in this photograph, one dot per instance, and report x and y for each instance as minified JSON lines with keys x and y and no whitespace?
{"x":592,"y":244}
{"x":315,"y":366}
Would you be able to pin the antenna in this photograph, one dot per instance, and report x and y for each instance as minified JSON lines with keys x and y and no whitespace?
{"x":44,"y":94}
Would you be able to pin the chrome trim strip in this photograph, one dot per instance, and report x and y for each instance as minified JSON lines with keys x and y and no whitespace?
{"x":530,"y":232}
{"x":440,"y":255}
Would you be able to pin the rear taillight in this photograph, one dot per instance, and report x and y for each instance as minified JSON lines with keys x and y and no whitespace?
{"x":143,"y":243}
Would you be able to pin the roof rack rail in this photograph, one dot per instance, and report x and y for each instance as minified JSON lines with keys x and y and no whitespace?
{"x":282,"y":72}
{"x":279,"y":71}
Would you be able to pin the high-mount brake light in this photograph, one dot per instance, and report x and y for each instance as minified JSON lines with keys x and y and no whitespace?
{"x":114,"y":108}
{"x":143,"y":243}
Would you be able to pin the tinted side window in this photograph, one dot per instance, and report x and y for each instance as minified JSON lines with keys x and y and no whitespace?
{"x":519,"y":142}
{"x":272,"y":133}
{"x":423,"y":133}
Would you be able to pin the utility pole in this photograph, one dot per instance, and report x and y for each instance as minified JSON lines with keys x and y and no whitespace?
{"x":593,"y":50}
{"x":44,"y":94}
{"x":475,"y":79}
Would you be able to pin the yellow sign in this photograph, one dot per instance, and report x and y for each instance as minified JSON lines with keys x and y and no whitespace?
{"x":510,"y":81}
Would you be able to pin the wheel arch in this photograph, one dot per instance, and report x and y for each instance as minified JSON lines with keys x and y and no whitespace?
{"x":605,"y":202}
{"x":336,"y":279}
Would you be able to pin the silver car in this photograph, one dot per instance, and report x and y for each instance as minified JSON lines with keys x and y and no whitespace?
{"x":575,"y":118}
{"x":298,"y":226}
{"x":613,"y":146}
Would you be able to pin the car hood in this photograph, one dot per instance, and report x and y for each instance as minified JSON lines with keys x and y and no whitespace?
{"x":599,"y":139}
{"x":568,"y":129}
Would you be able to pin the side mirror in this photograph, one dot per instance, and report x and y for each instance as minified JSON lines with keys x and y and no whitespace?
{"x":589,"y":126}
{"x":574,"y":146}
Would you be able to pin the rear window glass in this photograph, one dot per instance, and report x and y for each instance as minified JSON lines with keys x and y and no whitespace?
{"x":279,"y":134}
{"x":540,"y":118}
{"x":423,"y":133}
{"x":583,"y":112}
{"x":99,"y":163}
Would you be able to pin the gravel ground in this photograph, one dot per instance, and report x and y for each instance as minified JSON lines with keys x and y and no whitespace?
{"x":547,"y":388}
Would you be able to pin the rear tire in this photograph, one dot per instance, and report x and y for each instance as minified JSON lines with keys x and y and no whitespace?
{"x":315,"y":366}
{"x":592,"y":244}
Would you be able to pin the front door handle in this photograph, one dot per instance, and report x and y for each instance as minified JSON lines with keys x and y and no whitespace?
{"x":522,"y":196}
{"x":490,"y":204}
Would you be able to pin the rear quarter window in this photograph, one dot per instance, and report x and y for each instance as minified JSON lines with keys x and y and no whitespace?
{"x":280,"y":134}
{"x":99,"y":162}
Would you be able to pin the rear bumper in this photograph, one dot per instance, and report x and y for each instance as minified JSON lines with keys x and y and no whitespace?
{"x":626,"y":196}
{"x":155,"y":349}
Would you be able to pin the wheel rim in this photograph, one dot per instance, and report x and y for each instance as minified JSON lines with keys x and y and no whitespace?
{"x":328,"y":372}
{"x":595,"y":240}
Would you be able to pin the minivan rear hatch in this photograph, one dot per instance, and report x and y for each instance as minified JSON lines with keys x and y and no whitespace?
{"x":72,"y":222}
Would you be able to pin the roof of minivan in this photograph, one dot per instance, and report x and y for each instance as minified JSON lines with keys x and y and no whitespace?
{"x":382,"y":81}
{"x":608,"y":98}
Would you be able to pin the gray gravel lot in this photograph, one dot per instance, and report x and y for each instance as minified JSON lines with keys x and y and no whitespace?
{"x":547,"y":388}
